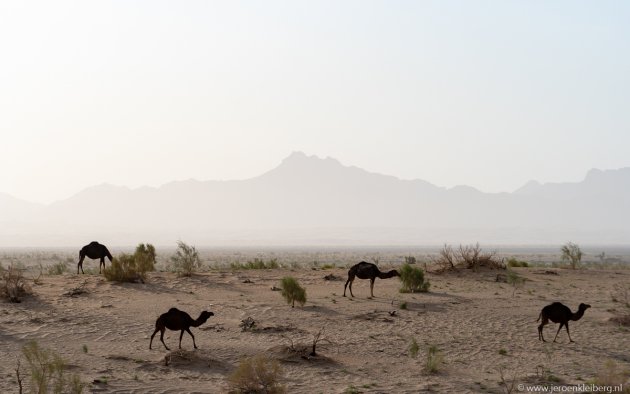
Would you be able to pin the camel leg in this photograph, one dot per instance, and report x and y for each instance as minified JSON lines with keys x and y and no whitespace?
{"x":154,"y":332}
{"x":162,"y":339}
{"x":540,"y":330}
{"x":346,"y":285}
{"x":568,"y":333}
{"x":80,"y":264}
{"x":180,"y":339}
{"x":193,"y":337}
{"x":559,"y":328}
{"x":372,"y":287}
{"x":101,"y":263}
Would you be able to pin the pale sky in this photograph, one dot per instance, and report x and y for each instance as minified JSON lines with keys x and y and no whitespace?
{"x":485,"y":93}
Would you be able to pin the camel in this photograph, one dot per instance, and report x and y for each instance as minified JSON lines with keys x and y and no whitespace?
{"x":364,"y":270}
{"x":175,"y":320}
{"x":94,"y":250}
{"x":559,"y":313}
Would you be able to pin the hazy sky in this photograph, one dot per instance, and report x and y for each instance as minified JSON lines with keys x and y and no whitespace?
{"x":485,"y":93}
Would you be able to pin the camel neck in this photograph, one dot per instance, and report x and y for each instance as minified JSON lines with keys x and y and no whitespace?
{"x":578,"y":315}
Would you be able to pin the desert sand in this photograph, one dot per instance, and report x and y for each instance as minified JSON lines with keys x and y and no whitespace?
{"x":479,"y":325}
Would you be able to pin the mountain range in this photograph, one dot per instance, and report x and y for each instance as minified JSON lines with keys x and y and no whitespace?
{"x":307,"y":200}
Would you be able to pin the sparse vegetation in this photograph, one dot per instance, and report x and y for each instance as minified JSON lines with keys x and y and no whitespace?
{"x":508,"y":385}
{"x":467,"y":256}
{"x":515,"y":280}
{"x":412,"y":279}
{"x":571,"y":253}
{"x":58,"y":268}
{"x":186,"y":259}
{"x":410,"y":260}
{"x":621,"y":293}
{"x":403,"y":305}
{"x":292,"y":291}
{"x":13,"y":285}
{"x":47,"y":371}
{"x":514,"y":262}
{"x":256,"y":264}
{"x":258,"y":374}
{"x":434,"y":359}
{"x":413,"y":348}
{"x":611,"y":375}
{"x":352,"y":390}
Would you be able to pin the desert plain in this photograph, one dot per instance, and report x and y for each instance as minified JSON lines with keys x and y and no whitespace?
{"x":483,"y":328}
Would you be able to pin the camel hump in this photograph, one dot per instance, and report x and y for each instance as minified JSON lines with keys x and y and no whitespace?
{"x":173,"y":310}
{"x":94,"y":243}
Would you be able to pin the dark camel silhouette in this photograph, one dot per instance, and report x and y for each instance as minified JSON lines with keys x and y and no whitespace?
{"x":559,"y":313}
{"x":369,"y":271}
{"x":94,"y":250}
{"x":175,"y":320}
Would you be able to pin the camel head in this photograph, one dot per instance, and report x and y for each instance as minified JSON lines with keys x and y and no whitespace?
{"x":205,"y":315}
{"x":390,"y":274}
{"x":583,"y":307}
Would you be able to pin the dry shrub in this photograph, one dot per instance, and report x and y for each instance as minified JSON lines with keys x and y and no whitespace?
{"x":13,"y":285}
{"x":47,"y":370}
{"x":59,"y":268}
{"x":467,"y":256}
{"x":258,"y":374}
{"x":445,"y":259}
{"x":621,"y":293}
{"x":186,"y":259}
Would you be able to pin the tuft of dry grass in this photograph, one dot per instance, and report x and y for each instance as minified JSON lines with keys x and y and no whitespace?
{"x":13,"y":285}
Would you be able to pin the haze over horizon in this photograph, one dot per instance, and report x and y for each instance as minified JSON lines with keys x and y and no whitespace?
{"x":485,"y":94}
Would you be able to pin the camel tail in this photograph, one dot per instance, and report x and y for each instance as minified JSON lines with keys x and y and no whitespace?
{"x":539,"y":316}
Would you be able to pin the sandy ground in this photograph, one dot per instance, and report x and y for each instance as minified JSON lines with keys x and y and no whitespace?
{"x":477,"y":324}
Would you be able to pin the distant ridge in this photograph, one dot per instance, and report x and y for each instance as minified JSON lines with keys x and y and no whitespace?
{"x":307,"y":200}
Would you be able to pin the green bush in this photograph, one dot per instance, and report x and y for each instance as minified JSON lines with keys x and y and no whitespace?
{"x":47,"y":370}
{"x":145,"y":257}
{"x":412,"y":279}
{"x":513,"y":262}
{"x":258,"y":374}
{"x":132,"y":267}
{"x":292,"y":291}
{"x":186,"y":259}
